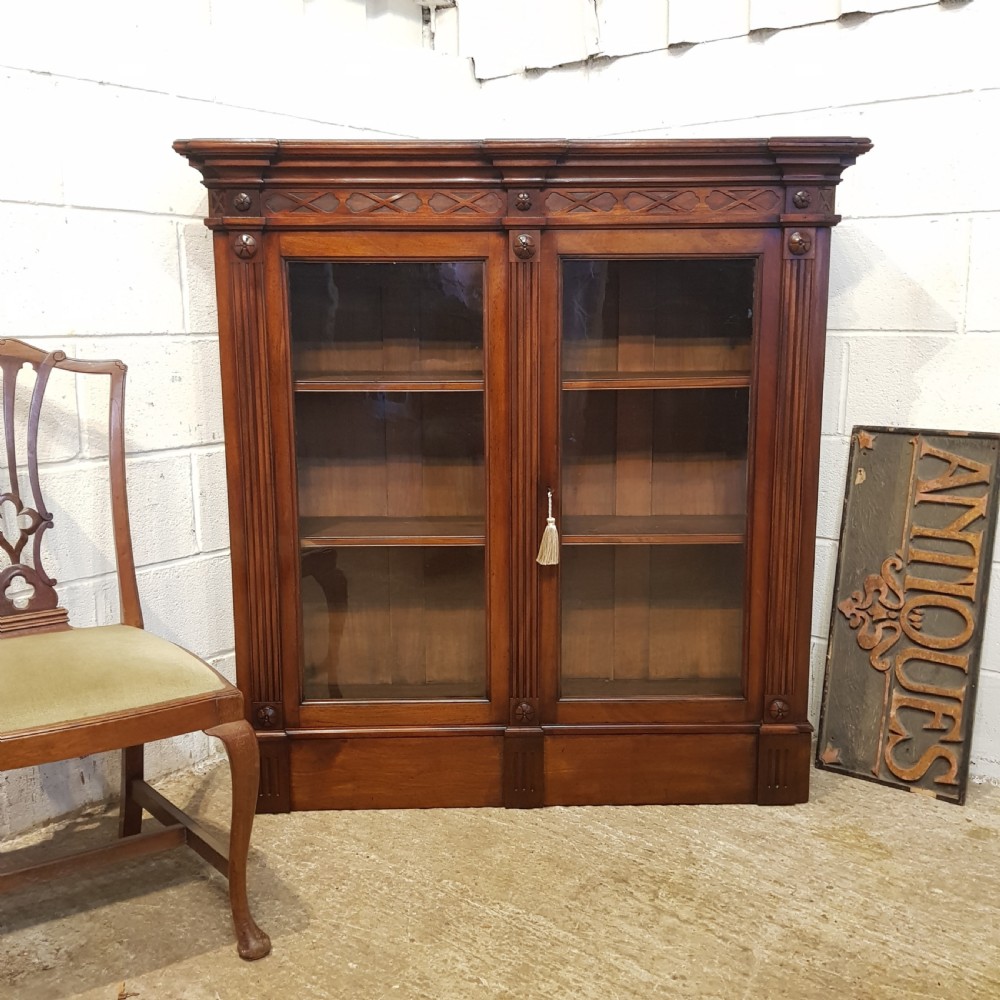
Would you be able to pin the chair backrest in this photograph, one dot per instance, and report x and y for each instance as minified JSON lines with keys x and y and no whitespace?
{"x":28,"y":599}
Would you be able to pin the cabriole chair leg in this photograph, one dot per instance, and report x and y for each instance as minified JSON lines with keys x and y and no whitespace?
{"x":244,"y":763}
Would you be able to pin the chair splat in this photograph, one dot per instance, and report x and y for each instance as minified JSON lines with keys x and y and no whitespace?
{"x":28,"y":599}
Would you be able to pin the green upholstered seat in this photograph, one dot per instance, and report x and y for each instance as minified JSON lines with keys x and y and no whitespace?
{"x":55,"y":677}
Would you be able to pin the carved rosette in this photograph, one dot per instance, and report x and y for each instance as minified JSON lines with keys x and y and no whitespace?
{"x":800,"y":243}
{"x":524,"y":246}
{"x":524,"y":711}
{"x":245,"y":246}
{"x":266,"y":716}
{"x":778,"y":709}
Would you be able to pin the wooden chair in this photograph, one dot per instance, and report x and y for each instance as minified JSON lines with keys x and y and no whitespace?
{"x":67,"y":692}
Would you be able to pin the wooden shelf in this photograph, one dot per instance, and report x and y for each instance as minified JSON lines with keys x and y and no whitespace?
{"x":655,"y":380}
{"x":320,"y":691}
{"x":440,"y":381}
{"x":636,"y":689}
{"x":685,"y":529}
{"x":330,"y":531}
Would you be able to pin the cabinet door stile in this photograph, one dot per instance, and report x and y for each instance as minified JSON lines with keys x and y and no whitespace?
{"x":498,"y":362}
{"x":285,"y":500}
{"x":548,"y":624}
{"x":762,"y":470}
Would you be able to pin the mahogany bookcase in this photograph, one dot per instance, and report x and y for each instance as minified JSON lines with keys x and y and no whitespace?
{"x":421,"y":343}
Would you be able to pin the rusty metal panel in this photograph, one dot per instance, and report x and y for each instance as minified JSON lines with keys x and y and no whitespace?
{"x":909,"y":608}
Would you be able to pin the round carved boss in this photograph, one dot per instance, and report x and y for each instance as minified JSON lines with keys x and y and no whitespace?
{"x":242,"y":202}
{"x":802,"y":199}
{"x":524,"y":246}
{"x":522,"y":201}
{"x":778,"y":709}
{"x":245,"y":246}
{"x":799,"y":243}
{"x":524,"y":712}
{"x":266,"y":717}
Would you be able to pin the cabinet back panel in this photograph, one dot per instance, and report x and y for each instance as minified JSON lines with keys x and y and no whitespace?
{"x":657,"y":315}
{"x":652,"y":620}
{"x":397,"y":623}
{"x":355,"y":318}
{"x":399,"y":454}
{"x":654,"y":452}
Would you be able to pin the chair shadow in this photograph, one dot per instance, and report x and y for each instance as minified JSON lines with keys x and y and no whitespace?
{"x":186,"y":925}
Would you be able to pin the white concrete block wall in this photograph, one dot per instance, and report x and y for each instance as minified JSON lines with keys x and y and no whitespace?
{"x":105,"y":254}
{"x":508,"y":38}
{"x":629,"y":26}
{"x":692,"y":21}
{"x":914,"y":319}
{"x":768,"y":14}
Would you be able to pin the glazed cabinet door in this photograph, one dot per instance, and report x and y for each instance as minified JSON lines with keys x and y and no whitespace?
{"x":396,"y":614}
{"x":656,"y":417}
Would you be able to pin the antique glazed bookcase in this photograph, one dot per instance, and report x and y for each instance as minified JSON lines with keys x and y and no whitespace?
{"x":423,"y":344}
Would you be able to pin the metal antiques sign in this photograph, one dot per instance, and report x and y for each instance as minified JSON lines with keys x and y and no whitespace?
{"x":907,"y":624}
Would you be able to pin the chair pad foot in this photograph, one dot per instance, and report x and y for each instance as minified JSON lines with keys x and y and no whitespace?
{"x":252,"y":943}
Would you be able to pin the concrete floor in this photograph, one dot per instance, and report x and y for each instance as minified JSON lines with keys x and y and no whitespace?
{"x":863,"y":893}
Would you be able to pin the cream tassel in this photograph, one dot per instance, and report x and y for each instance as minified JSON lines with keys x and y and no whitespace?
{"x":548,"y":550}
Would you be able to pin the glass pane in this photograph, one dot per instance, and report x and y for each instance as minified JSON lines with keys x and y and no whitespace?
{"x":651,"y":620}
{"x":385,"y":319}
{"x":385,"y":463}
{"x":393,"y":623}
{"x":654,"y":455}
{"x":666,"y":316}
{"x":655,"y":416}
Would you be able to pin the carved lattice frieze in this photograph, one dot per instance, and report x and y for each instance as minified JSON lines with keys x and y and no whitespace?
{"x":217,"y":203}
{"x":755,"y":201}
{"x":576,"y":202}
{"x":437,"y":202}
{"x":660,"y":202}
{"x":700,"y":201}
{"x":461,"y":203}
{"x":323,"y":202}
{"x":375,"y":203}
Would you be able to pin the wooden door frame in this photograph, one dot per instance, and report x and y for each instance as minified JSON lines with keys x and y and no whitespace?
{"x":758,"y":244}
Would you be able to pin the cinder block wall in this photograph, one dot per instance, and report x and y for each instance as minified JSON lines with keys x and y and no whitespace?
{"x":914,"y":320}
{"x":105,"y":254}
